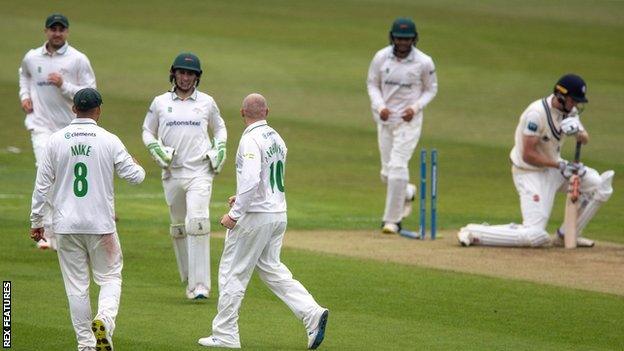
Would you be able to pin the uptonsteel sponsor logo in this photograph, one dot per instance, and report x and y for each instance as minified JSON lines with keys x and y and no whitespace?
{"x":402,"y":85}
{"x":69,"y":135}
{"x":183,"y":123}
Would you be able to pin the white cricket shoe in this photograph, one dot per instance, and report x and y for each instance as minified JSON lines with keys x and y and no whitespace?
{"x":102,"y":333}
{"x":410,"y":195}
{"x":584,"y":242}
{"x":580,"y":241}
{"x":211,"y":341}
{"x":200,"y":292}
{"x":316,"y":335}
{"x":390,"y":228}
{"x":464,"y":237}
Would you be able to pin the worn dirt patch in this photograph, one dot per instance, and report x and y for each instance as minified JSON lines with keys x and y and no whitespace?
{"x":600,"y":268}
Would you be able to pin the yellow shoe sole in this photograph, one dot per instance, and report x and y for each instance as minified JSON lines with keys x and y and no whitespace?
{"x":102,"y":342}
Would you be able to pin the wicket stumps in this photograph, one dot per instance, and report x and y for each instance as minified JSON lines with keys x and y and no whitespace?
{"x":423,"y":193}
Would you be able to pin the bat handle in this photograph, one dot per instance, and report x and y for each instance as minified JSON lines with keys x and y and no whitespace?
{"x":575,"y":188}
{"x":577,"y":152}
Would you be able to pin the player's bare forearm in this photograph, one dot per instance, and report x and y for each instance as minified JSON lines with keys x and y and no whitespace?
{"x":227,"y":221}
{"x":535,"y":158}
{"x":583,"y":137}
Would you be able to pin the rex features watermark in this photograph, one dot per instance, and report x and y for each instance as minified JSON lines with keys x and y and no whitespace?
{"x":6,"y":314}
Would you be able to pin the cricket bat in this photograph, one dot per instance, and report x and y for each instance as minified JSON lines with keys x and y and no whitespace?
{"x":572,"y":205}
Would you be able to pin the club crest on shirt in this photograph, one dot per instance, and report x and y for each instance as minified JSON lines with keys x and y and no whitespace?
{"x":38,"y":69}
{"x":197,"y":110}
{"x":536,"y":198}
{"x":169,"y":109}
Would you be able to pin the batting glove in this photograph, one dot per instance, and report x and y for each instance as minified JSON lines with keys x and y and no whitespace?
{"x":161,"y":154}
{"x":568,"y":169}
{"x":216,"y":155}
{"x":570,"y":125}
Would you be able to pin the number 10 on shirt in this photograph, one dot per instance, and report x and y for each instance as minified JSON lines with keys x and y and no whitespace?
{"x":277,"y":175}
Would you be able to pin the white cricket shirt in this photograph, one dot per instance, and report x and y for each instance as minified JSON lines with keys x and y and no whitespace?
{"x":397,"y":84}
{"x":79,"y":161}
{"x":542,"y":120}
{"x":183,"y":125}
{"x":260,"y":168}
{"x":52,"y":104}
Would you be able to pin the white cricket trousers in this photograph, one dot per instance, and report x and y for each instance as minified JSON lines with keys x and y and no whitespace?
{"x":397,"y":143}
{"x":256,"y":242}
{"x":102,"y":254}
{"x":189,"y":200}
{"x":537,"y":190}
{"x":39,"y":139}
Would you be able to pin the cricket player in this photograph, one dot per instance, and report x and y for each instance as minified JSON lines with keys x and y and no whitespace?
{"x":79,"y":162}
{"x":256,"y":224}
{"x":538,"y":171}
{"x":175,"y":132}
{"x":401,"y":83}
{"x":49,"y":76}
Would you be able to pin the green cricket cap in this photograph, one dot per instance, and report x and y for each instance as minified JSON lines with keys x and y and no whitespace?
{"x":86,"y":99}
{"x":56,"y":18}
{"x":403,"y":28}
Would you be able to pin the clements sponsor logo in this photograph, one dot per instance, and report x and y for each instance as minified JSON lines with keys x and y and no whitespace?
{"x":183,"y":123}
{"x":69,"y":135}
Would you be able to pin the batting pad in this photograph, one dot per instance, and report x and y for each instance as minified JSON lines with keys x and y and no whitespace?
{"x":507,"y":235}
{"x":198,"y":261}
{"x":178,"y":237}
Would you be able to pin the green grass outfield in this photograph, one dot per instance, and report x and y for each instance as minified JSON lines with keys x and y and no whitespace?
{"x":310,"y":60}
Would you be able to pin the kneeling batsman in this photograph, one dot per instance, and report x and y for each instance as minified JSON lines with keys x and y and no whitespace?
{"x":538,"y":172}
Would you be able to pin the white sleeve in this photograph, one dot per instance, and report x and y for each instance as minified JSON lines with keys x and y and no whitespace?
{"x":150,"y":125}
{"x":24,"y":81}
{"x":373,"y":84}
{"x":532,"y":124}
{"x":125,"y":166}
{"x":45,"y":179}
{"x":86,"y":78}
{"x":430,"y":84}
{"x":217,"y":124}
{"x":248,"y":169}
